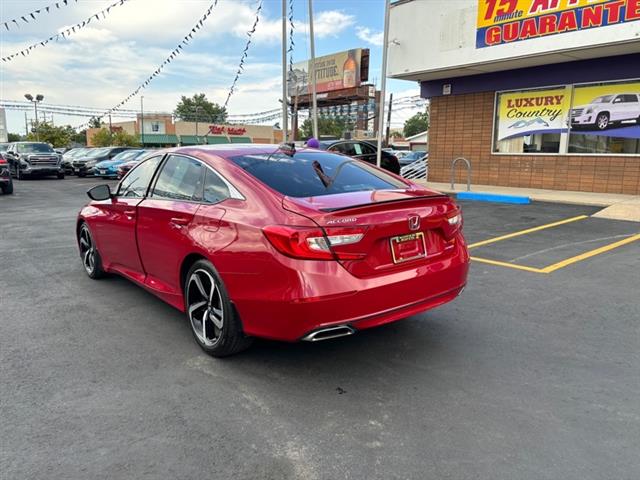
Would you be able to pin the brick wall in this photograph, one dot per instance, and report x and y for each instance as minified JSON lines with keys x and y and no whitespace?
{"x":461,"y":126}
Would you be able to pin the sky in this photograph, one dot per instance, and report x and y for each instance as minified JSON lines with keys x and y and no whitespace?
{"x":104,"y":62}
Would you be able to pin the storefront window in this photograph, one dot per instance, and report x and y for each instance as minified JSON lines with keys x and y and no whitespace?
{"x":531,"y":121}
{"x":605,"y":119}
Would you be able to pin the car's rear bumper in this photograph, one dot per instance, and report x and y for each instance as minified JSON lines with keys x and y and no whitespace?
{"x":331,"y":296}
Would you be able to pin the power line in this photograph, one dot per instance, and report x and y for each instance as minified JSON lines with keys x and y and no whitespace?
{"x":65,"y":33}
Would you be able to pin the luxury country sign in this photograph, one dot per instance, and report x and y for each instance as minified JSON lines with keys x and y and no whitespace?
{"x":507,"y":21}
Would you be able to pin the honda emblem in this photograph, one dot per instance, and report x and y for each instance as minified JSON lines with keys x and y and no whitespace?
{"x":414,"y":222}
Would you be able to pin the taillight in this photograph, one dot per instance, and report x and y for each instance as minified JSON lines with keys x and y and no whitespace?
{"x":2,"y":161}
{"x":453,"y":224}
{"x":314,"y":243}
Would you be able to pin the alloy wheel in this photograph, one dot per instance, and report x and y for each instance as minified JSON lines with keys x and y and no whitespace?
{"x":205,"y":308}
{"x":603,"y":122}
{"x":87,"y":250}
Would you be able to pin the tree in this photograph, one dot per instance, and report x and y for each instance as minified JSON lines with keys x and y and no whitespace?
{"x":333,"y":127}
{"x":80,"y":137}
{"x":199,"y":108}
{"x":95,"y":123}
{"x":416,"y":124}
{"x":56,"y":136}
{"x":104,"y":138}
{"x":14,"y":137}
{"x":124,"y":139}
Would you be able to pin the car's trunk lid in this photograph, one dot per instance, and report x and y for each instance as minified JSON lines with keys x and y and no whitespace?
{"x":401,"y":228}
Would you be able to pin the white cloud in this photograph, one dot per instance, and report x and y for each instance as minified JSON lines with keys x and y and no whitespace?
{"x":367,"y":35}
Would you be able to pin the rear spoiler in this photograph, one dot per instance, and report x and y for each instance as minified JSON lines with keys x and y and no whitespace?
{"x":329,"y":210}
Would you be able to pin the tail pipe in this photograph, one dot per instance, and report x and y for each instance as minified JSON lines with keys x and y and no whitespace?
{"x":329,"y":333}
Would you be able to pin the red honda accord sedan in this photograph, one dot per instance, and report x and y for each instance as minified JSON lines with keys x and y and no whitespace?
{"x":266,"y":241}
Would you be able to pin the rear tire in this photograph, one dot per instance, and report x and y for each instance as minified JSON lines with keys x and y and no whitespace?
{"x":212,"y":318}
{"x":8,"y":190}
{"x":61,"y":176}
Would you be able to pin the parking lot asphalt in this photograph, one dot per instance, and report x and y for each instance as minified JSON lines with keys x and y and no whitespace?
{"x":525,"y":376}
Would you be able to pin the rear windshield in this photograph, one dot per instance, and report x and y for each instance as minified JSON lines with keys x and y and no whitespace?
{"x":128,"y":155}
{"x":312,"y":174}
{"x":34,"y":148}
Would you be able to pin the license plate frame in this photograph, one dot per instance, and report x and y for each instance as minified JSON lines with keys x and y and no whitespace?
{"x":421,"y":251}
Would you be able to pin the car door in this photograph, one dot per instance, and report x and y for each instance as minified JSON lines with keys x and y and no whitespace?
{"x":164,"y":219}
{"x":365,"y":152}
{"x":115,"y":226}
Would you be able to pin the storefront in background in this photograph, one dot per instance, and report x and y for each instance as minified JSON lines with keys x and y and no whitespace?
{"x":544,"y":96}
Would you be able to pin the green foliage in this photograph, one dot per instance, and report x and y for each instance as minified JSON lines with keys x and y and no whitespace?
{"x":334,"y":127}
{"x":199,"y":108}
{"x":80,"y":137}
{"x":56,"y":136}
{"x":95,"y":123}
{"x":416,"y":124}
{"x":14,"y":137}
{"x":104,"y":138}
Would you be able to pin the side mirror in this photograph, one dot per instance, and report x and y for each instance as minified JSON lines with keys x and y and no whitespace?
{"x":100,"y":192}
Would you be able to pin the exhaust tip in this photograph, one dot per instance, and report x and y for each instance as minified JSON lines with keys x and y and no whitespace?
{"x":329,"y":333}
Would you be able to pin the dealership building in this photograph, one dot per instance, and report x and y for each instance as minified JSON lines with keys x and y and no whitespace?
{"x":534,"y":93}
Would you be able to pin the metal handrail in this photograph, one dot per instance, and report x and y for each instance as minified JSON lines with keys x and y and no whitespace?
{"x":453,"y":171}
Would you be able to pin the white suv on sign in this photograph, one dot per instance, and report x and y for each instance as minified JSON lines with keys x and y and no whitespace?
{"x":606,"y":110}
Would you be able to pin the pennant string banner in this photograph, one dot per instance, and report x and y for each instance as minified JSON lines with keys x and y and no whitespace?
{"x":245,"y":54}
{"x":174,"y":53}
{"x":34,"y":13}
{"x":63,"y":34}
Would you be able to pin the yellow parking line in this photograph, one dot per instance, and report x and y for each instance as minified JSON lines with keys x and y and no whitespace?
{"x":528,"y":230}
{"x":592,"y":253}
{"x":508,"y":265}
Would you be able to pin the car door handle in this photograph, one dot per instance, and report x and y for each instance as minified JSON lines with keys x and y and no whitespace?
{"x":179,"y":222}
{"x":130,"y":214}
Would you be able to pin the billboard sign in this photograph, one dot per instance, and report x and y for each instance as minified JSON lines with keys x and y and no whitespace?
{"x":530,"y":112}
{"x":507,"y":21}
{"x":333,"y":72}
{"x":611,"y":110}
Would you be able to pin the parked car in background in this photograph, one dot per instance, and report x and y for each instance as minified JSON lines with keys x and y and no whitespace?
{"x":70,"y":155}
{"x":85,"y":164}
{"x":124,"y":168}
{"x":411,"y":157}
{"x":33,"y":158}
{"x":346,"y":246}
{"x":362,"y":150}
{"x":109,"y":168}
{"x":6,"y":182}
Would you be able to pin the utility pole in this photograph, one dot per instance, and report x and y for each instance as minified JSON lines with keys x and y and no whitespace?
{"x":26,"y":124}
{"x":110,"y":127}
{"x":197,"y":136}
{"x":389,"y":119}
{"x":285,"y":106}
{"x":142,"y":118}
{"x":312,"y":73}
{"x":383,"y":83}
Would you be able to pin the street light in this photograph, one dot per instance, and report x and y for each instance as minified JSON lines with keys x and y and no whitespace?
{"x":38,"y":99}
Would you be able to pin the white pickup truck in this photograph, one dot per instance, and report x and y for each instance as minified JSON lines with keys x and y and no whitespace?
{"x":606,"y":110}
